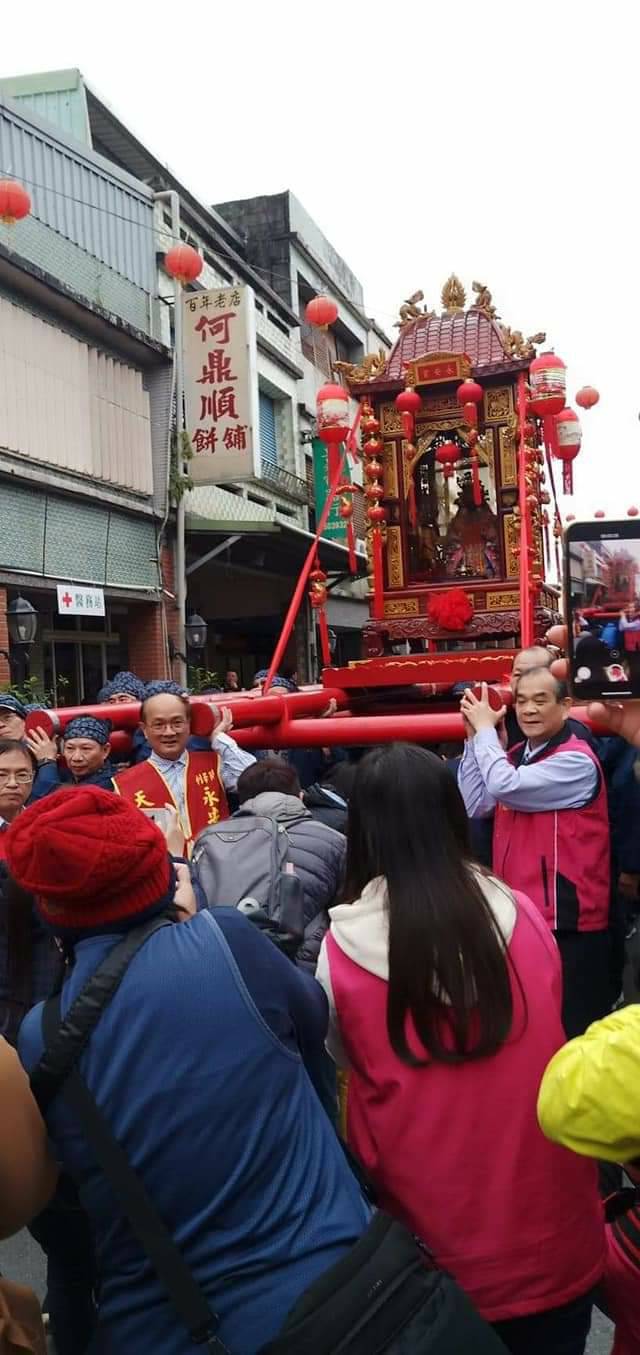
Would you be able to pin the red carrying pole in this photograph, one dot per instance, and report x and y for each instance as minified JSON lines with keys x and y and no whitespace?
{"x":294,"y":605}
{"x":325,"y":647}
{"x":361,"y":730}
{"x":526,"y":607}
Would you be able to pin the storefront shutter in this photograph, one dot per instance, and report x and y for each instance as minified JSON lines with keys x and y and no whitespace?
{"x":268,"y":437}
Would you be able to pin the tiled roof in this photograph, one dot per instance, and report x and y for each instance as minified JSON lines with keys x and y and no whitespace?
{"x":471,"y":332}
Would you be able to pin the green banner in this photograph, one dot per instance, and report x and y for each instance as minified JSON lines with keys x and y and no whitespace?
{"x":336,"y":528}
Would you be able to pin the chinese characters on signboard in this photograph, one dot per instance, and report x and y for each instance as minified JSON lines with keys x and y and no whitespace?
{"x":74,"y":600}
{"x":220,"y":383}
{"x":336,"y":528}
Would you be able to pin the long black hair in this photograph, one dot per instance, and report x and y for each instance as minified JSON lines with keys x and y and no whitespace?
{"x":447,"y":962}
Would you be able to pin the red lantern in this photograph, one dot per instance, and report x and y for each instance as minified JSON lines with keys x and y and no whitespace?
{"x":470,"y":414}
{"x":567,"y":443}
{"x":632,"y":512}
{"x":373,"y":447}
{"x":587,"y":397}
{"x":370,"y":426}
{"x":321,"y":311}
{"x":183,"y":263}
{"x":373,"y":470}
{"x":469,"y":393}
{"x":600,"y":514}
{"x":374,"y":491}
{"x":332,"y":414}
{"x":447,"y":453}
{"x":15,"y":202}
{"x":376,"y":514}
{"x":548,"y":376}
{"x":408,"y":402}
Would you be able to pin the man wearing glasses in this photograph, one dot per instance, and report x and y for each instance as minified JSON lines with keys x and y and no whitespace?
{"x":193,"y":782}
{"x":551,"y":832}
{"x":16,"y":780}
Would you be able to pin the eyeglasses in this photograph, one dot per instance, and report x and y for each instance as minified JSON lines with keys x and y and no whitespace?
{"x":21,"y":778}
{"x":174,"y":726}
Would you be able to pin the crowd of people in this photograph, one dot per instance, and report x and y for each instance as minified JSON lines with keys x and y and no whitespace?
{"x":305,"y":1053}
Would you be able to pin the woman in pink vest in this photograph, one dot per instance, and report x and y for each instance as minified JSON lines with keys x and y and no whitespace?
{"x":445,"y":994}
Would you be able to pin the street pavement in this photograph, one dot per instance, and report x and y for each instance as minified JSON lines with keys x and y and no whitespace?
{"x":22,"y":1260}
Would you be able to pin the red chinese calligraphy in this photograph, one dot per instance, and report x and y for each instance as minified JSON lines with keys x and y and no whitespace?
{"x":219,"y":404}
{"x":204,"y":439}
{"x":214,"y":327}
{"x":217,"y":370}
{"x":235,"y":439}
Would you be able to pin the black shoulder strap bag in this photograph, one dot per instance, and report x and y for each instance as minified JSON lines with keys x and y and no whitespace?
{"x":57,"y":1070}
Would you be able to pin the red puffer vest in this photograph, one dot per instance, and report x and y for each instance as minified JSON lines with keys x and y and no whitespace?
{"x":560,"y":858}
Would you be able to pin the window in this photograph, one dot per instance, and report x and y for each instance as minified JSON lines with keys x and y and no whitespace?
{"x":268,"y":431}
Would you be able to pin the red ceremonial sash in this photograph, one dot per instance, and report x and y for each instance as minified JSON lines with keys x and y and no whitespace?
{"x":205,"y":799}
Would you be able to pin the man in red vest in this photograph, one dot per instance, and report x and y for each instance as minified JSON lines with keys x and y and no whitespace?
{"x":551,"y":832}
{"x":193,"y":782}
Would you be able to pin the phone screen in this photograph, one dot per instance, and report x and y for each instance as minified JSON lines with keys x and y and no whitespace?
{"x":602,"y":602}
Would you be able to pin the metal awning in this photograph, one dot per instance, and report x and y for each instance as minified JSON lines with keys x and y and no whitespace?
{"x":253,"y":532}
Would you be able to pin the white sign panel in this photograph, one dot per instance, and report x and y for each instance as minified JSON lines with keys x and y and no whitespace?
{"x":74,"y":600}
{"x":221,"y":384}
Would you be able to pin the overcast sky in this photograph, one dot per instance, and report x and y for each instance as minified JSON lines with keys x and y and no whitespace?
{"x":497,"y":140}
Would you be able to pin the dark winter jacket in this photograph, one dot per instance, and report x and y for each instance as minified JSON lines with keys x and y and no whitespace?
{"x":317,"y":854}
{"x":52,"y":777}
{"x":619,"y":766}
{"x":326,"y":806}
{"x":37,"y":963}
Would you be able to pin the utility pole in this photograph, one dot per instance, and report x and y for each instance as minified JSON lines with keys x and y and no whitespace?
{"x":173,"y":200}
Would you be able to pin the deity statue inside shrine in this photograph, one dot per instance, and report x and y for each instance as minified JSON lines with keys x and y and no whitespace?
{"x":471,"y":543}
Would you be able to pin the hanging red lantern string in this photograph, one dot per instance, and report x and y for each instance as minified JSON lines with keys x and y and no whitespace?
{"x":318,"y":599}
{"x":568,"y":441}
{"x":332,"y":419}
{"x":548,"y":382}
{"x":408,"y":402}
{"x":15,"y":202}
{"x":377,"y":517}
{"x":470,"y":397}
{"x":475,"y":468}
{"x":183,"y":263}
{"x":546,"y":538}
{"x":446,"y":454}
{"x":346,"y":513}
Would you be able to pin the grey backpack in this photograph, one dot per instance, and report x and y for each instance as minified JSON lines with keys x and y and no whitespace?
{"x":242,"y":863}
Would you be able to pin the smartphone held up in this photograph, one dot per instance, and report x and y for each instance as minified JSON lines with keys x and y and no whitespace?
{"x":602,"y":606}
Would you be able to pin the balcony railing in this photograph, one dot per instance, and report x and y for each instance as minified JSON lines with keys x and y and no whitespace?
{"x":274,"y":477}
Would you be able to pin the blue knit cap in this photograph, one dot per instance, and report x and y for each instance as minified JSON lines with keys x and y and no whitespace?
{"x":124,"y":683}
{"x":164,"y":687}
{"x":87,"y":727}
{"x":9,"y":702}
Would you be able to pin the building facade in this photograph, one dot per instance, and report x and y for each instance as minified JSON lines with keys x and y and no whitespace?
{"x":86,"y":468}
{"x":85,"y":383}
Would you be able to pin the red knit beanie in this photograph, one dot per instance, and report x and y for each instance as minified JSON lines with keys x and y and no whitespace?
{"x":90,"y":859}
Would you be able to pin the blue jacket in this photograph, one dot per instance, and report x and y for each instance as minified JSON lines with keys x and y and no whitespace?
{"x":51,"y":777}
{"x":199,"y":1065}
